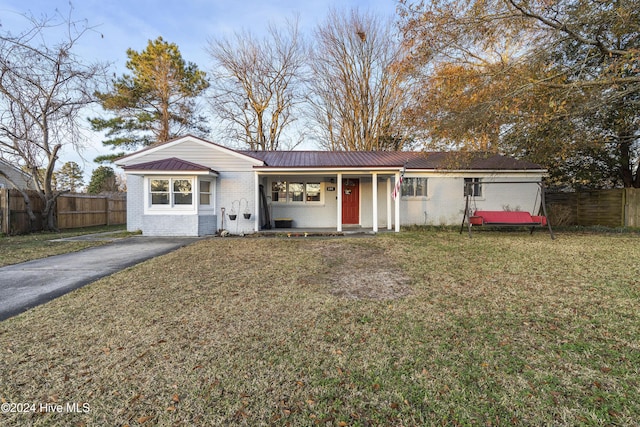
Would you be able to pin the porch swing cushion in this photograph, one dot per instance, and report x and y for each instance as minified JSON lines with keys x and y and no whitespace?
{"x":506,"y":218}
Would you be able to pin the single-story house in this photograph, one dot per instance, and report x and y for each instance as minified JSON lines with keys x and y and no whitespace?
{"x":193,"y":187}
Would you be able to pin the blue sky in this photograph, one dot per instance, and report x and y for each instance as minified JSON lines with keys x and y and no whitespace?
{"x":121,"y":24}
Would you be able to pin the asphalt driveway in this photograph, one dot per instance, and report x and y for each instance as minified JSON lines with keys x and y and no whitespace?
{"x":32,"y":283}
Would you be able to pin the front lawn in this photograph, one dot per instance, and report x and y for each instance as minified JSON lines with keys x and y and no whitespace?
{"x":417,"y":328}
{"x":21,"y":248}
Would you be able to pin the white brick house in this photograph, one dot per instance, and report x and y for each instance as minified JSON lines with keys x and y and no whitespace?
{"x":193,"y":187}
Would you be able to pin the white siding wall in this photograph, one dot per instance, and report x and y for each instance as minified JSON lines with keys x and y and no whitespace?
{"x":234,"y":185}
{"x":445,"y":202}
{"x":321,"y":214}
{"x":207,"y":225}
{"x":135,"y":202}
{"x":202,"y":153}
{"x":170,"y":225}
{"x":235,"y":190}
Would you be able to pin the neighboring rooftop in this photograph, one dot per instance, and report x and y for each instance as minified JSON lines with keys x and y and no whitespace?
{"x":15,"y":174}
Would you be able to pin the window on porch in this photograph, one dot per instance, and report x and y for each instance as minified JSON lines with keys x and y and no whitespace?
{"x":296,"y":192}
{"x":279,"y":191}
{"x":313,"y":191}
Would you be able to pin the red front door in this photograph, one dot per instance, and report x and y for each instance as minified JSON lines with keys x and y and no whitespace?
{"x":350,"y":201}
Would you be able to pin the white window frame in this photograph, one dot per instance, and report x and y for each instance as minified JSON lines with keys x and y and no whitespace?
{"x":291,"y":194}
{"x":171,"y":207}
{"x":477,"y":184}
{"x":288,"y":192}
{"x":412,"y":179}
{"x":306,"y":192}
{"x":212,"y":194}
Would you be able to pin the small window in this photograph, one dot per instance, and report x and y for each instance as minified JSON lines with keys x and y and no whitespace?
{"x":279,"y":191}
{"x":205,"y":192}
{"x":472,"y":187}
{"x":313,"y":191}
{"x":160,"y":192}
{"x":414,"y":187}
{"x":171,"y":192}
{"x":296,"y":192}
{"x":182,"y":194}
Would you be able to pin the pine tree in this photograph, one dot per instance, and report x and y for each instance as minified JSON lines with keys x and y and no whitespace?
{"x":70,"y":177}
{"x":103,"y":179}
{"x":156,"y":102}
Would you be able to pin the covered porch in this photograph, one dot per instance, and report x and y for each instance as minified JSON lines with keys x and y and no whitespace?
{"x":326,"y":201}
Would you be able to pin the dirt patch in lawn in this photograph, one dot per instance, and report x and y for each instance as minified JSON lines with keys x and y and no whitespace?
{"x":362,"y":271}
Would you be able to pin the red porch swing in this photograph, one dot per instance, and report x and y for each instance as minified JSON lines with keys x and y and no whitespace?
{"x":506,"y":218}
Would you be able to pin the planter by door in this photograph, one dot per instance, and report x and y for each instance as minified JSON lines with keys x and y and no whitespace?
{"x":350,"y":201}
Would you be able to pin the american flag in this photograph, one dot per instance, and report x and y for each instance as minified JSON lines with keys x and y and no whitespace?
{"x":396,"y":189}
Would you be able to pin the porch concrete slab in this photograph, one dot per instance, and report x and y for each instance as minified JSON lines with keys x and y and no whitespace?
{"x":346,"y":231}
{"x":32,"y":283}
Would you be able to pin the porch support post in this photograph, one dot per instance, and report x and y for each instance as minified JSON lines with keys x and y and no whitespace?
{"x":389,"y":200}
{"x":374,"y":186}
{"x":397,"y":206}
{"x":256,"y":204}
{"x":339,"y":207}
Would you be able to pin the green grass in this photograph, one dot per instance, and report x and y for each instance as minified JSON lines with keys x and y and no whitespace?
{"x":417,"y":328}
{"x":21,"y":248}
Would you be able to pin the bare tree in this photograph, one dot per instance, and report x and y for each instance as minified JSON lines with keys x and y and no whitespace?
{"x":357,"y":85}
{"x":256,"y":86}
{"x":43,"y":89}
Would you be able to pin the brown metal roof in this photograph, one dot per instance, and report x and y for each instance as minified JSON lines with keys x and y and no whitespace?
{"x":389,"y":159}
{"x":172,"y":164}
{"x":351,"y":159}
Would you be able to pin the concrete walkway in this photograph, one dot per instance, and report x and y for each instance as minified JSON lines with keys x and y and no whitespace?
{"x":32,"y":283}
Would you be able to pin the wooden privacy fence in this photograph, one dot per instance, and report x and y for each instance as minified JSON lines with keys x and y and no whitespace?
{"x":72,"y":211}
{"x":619,"y":207}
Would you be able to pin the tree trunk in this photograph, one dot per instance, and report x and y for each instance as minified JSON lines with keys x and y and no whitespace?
{"x":626,"y":165}
{"x":48,"y":214}
{"x":29,"y":209}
